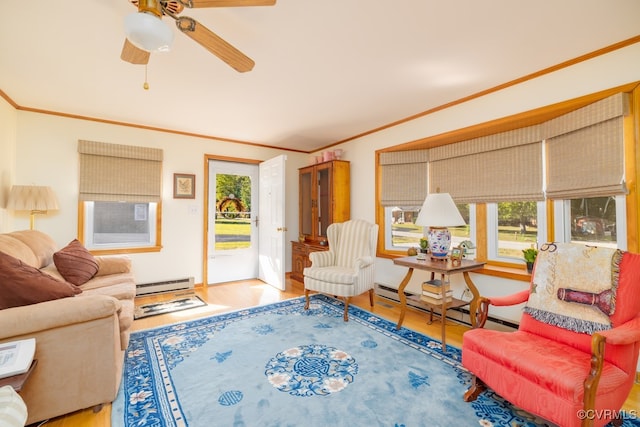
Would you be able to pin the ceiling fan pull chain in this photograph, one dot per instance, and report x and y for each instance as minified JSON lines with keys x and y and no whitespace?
{"x":145,"y":85}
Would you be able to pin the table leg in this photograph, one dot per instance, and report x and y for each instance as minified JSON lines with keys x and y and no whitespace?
{"x":473,"y":304}
{"x":403,"y":297}
{"x":443,"y":332}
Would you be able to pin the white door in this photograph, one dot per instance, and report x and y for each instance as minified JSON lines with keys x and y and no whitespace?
{"x":272,"y":225}
{"x":233,"y":222}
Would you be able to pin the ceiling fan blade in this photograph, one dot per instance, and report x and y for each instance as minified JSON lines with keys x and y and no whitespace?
{"x":214,"y":44}
{"x":225,"y":3}
{"x":132,"y":54}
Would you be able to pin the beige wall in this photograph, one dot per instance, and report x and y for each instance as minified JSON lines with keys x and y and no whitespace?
{"x":46,"y":154}
{"x":8,"y":123}
{"x":604,"y":72}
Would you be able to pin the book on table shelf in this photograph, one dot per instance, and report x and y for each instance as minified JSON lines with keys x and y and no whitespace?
{"x":438,"y":295}
{"x":435,"y":286}
{"x":436,"y":301}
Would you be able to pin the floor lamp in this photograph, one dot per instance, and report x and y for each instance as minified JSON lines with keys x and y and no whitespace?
{"x":32,"y":198}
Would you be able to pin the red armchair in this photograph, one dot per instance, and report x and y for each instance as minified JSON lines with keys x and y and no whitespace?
{"x":569,"y":362}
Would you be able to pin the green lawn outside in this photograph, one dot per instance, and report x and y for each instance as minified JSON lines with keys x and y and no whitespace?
{"x":232,"y":227}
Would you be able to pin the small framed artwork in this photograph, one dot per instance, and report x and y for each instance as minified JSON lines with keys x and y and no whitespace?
{"x":456,"y":255}
{"x":184,"y":186}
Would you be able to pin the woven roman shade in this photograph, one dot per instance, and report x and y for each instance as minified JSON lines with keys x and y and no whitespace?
{"x":404,"y":177}
{"x":585,"y":150}
{"x":119,"y":173}
{"x":502,"y":167}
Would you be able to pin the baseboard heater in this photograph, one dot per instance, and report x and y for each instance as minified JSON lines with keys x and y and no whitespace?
{"x":392,"y":294}
{"x":165,"y":286}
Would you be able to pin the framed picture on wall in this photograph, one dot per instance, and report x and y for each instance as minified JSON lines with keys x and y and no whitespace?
{"x":184,"y":186}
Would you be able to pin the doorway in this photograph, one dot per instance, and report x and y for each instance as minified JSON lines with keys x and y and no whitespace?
{"x":244,"y":220}
{"x":232,"y":232}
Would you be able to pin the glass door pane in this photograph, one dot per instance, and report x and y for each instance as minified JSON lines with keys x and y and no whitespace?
{"x":306,"y":203}
{"x":324,"y":201}
{"x":233,"y":212}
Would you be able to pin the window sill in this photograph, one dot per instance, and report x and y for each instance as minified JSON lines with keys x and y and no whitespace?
{"x":512,"y":273}
{"x":122,"y":251}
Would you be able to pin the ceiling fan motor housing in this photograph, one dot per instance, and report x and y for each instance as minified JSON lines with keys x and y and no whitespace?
{"x":145,"y":28}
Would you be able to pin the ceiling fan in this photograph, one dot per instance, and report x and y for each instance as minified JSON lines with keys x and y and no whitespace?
{"x":147,"y":33}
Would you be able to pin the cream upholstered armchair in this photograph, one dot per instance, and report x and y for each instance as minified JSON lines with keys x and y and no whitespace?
{"x":347,"y":268}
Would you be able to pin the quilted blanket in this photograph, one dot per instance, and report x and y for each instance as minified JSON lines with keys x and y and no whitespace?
{"x":574,"y":286}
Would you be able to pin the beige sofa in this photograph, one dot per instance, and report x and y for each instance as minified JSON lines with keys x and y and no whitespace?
{"x":80,"y":340}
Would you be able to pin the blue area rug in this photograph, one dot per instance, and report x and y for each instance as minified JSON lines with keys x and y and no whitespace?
{"x":279,"y":365}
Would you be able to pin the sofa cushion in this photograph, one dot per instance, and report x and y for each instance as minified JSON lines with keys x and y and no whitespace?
{"x":75,"y":263}
{"x":22,"y":284}
{"x":18,"y":249}
{"x":42,"y":245}
{"x":108,"y":265}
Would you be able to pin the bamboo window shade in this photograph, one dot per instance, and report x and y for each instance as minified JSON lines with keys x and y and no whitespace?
{"x":119,"y":173}
{"x":585,"y":150}
{"x":505,"y":166}
{"x":404,"y":177}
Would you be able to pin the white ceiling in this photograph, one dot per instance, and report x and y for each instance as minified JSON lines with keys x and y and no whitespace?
{"x":326,"y":70}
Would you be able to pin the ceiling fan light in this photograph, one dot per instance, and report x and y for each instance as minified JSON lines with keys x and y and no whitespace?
{"x":148,"y":32}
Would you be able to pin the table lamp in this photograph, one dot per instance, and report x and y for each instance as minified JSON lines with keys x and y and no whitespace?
{"x":32,"y":198}
{"x":439,"y":212}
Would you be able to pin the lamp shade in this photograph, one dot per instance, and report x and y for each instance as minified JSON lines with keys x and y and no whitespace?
{"x":147,"y":32}
{"x":439,"y":210}
{"x":32,"y":198}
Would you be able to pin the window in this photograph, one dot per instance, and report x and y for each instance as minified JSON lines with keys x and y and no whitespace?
{"x":571,"y":163}
{"x":593,"y":221}
{"x":462,"y":233}
{"x":514,"y":226}
{"x":120,"y":194}
{"x":119,"y":224}
{"x":404,"y":234}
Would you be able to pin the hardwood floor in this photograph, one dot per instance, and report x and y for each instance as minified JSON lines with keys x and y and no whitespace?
{"x":237,"y":295}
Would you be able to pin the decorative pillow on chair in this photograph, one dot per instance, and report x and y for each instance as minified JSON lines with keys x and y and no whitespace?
{"x":75,"y":263}
{"x":21,"y":284}
{"x":574,"y":286}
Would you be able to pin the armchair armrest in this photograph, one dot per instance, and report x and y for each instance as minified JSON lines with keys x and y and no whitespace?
{"x":363,"y":262}
{"x":58,"y":313}
{"x":322,"y":258}
{"x":627,"y":333}
{"x":513,"y":299}
{"x":483,"y":304}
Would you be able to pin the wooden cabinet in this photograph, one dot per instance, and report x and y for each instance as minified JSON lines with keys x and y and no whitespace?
{"x":300,"y":257}
{"x":324,"y":199}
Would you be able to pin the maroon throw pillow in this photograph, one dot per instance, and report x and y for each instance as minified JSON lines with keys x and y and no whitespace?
{"x":75,"y":263}
{"x":21,"y":284}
